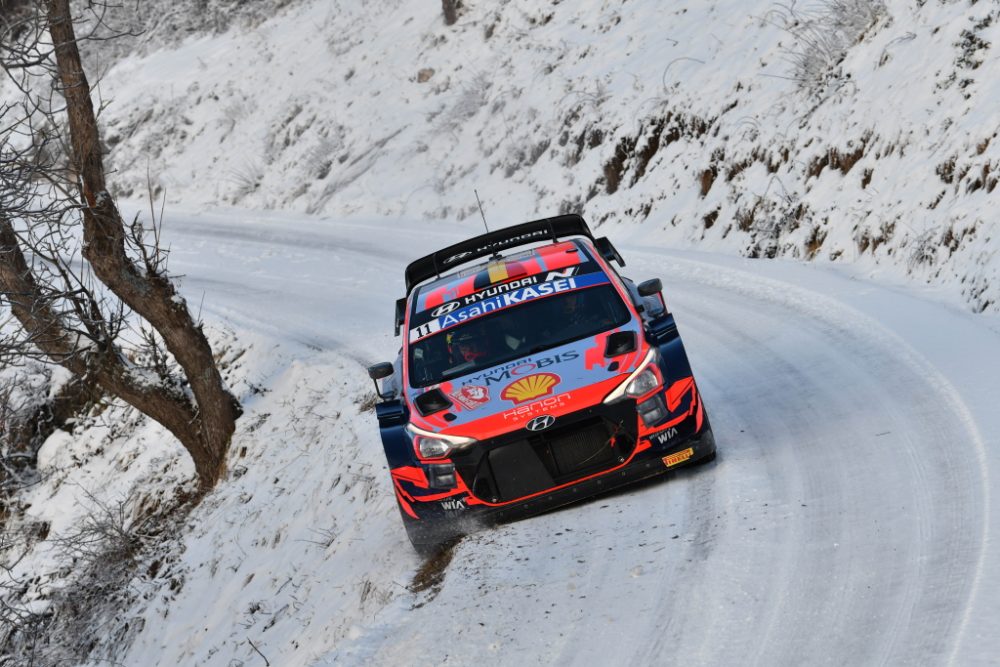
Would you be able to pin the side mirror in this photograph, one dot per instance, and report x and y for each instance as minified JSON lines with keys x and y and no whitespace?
{"x":650,"y":287}
{"x":400,"y":315}
{"x":378,"y":372}
{"x":653,"y":290}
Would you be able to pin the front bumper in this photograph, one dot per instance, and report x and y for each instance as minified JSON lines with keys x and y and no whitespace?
{"x":439,"y":517}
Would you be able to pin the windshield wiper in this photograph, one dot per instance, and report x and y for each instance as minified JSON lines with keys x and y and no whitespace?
{"x":457,"y":370}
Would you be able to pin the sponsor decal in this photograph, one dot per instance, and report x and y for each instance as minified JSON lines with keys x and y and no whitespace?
{"x":453,"y":504}
{"x":498,"y":245}
{"x":523,"y":412}
{"x":540,"y":423}
{"x":520,"y":368}
{"x":504,"y":300}
{"x":484,"y":294}
{"x":471,"y":396}
{"x":530,"y":387}
{"x":497,"y":271}
{"x":563,"y":273}
{"x":678,"y":457}
{"x":445,"y":309}
{"x":664,"y":437}
{"x":457,"y":256}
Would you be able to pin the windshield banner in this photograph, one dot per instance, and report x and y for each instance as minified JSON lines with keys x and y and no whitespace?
{"x":501,"y":301}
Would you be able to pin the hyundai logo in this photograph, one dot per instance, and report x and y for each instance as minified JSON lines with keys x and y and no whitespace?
{"x":541,"y":423}
{"x":445,"y":309}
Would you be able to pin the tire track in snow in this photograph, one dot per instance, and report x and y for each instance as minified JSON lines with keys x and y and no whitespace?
{"x":788,"y":367}
{"x":945,"y":529}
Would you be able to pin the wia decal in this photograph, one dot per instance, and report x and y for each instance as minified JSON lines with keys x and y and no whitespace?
{"x":663,"y":437}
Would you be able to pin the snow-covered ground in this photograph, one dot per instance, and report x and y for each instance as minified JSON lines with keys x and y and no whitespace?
{"x":849,"y":518}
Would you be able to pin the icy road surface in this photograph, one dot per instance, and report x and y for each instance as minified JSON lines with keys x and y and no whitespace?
{"x":847,"y":520}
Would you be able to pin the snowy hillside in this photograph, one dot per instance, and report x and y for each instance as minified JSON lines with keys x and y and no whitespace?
{"x":854,"y":131}
{"x":307,"y":153}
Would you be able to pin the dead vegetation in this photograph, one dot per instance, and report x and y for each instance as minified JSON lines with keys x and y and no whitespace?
{"x":841,"y":160}
{"x":46,"y":621}
{"x":869,"y":241}
{"x":969,"y":174}
{"x":814,"y":242}
{"x":822,"y":34}
{"x":634,"y":153}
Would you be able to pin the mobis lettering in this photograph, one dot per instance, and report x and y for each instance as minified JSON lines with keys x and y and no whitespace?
{"x":518,"y":368}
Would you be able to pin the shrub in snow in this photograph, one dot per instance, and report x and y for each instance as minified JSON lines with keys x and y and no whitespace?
{"x":823,"y":34}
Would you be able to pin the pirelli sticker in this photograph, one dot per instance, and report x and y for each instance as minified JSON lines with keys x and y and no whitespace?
{"x":678,"y":457}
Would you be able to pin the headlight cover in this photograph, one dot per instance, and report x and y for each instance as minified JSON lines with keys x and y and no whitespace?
{"x":436,"y":445}
{"x":643,"y":380}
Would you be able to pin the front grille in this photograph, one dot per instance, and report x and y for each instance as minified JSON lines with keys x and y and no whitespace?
{"x":579,"y":449}
{"x":524,"y":463}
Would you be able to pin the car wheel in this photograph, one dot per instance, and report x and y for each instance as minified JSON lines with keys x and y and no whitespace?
{"x":423,"y":535}
{"x":706,"y":439}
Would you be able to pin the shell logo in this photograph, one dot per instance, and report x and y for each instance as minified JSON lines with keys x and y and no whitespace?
{"x":530,"y":387}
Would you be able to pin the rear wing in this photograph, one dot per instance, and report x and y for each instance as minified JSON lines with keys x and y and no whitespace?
{"x":547,"y":229}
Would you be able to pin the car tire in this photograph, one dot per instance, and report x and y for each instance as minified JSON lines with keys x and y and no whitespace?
{"x":707,"y":436}
{"x":423,"y":537}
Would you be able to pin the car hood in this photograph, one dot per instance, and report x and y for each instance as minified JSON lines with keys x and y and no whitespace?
{"x":557,"y":381}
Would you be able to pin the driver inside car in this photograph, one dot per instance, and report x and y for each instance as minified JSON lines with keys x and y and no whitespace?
{"x":467,"y":345}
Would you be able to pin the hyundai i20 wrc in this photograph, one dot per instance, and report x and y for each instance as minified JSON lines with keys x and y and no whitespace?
{"x":530,"y":380}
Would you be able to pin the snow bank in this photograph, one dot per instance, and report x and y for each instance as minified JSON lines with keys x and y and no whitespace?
{"x":849,"y":131}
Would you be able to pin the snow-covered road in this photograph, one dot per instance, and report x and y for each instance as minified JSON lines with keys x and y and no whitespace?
{"x":847,"y":520}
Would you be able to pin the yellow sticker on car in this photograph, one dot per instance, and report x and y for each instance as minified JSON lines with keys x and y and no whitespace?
{"x":678,"y":457}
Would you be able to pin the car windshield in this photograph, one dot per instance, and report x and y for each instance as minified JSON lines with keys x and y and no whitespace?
{"x":525,"y":329}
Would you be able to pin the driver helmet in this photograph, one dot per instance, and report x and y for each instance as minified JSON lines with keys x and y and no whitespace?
{"x":572,"y":305}
{"x":468,"y":346}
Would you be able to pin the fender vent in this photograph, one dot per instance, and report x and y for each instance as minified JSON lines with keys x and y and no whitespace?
{"x":619,"y":343}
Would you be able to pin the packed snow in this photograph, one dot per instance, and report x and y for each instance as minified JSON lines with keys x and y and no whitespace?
{"x":305,"y":159}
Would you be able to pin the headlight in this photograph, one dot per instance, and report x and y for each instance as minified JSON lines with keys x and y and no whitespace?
{"x":436,"y":445}
{"x":643,"y":380}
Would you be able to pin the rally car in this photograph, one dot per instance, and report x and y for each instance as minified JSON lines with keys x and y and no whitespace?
{"x":530,"y":380}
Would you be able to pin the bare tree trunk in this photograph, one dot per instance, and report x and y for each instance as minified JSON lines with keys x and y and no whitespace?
{"x":203,"y":421}
{"x":105,"y":367}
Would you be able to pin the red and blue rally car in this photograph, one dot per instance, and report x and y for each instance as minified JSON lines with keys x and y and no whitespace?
{"x":532,"y":380}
